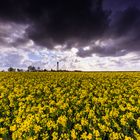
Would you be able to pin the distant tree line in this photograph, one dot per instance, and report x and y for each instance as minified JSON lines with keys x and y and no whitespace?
{"x":34,"y":69}
{"x":29,"y":69}
{"x":38,"y":69}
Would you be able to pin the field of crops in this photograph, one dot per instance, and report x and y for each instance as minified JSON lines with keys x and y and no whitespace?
{"x":62,"y":106}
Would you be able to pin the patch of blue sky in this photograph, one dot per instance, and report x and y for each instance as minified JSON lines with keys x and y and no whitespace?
{"x":34,"y":57}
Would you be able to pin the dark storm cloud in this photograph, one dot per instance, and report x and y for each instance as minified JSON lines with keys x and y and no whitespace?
{"x":58,"y":21}
{"x":76,"y":23}
{"x":67,"y":22}
{"x":19,"y":41}
{"x":125,"y":30}
{"x":101,"y":51}
{"x":124,"y":33}
{"x":125,"y":22}
{"x":124,"y":27}
{"x":120,"y":5}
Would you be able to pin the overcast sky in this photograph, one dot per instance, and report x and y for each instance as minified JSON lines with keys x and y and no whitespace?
{"x":80,"y":34}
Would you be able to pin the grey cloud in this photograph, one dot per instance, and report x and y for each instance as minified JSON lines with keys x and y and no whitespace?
{"x":102,"y":51}
{"x":11,"y":59}
{"x":124,"y":32}
{"x":12,"y":34}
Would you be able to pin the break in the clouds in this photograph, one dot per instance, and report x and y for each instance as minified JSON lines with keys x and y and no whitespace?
{"x":82,"y":34}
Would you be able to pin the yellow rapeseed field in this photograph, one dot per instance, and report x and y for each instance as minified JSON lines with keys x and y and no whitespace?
{"x":70,"y":106}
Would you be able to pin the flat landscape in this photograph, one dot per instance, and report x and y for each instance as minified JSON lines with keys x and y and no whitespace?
{"x":70,"y":105}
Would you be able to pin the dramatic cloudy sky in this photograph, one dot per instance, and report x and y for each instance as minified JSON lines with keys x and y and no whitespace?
{"x":80,"y":34}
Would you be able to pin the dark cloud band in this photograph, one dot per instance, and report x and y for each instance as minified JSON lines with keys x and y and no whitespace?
{"x":76,"y":23}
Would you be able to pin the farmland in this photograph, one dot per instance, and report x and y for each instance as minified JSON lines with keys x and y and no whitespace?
{"x":70,"y":105}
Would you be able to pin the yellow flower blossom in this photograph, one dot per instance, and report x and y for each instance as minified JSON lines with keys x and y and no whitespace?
{"x":138,"y":122}
{"x":123,"y":120}
{"x":13,"y":128}
{"x":37,"y":128}
{"x":128,"y":138}
{"x":62,"y":120}
{"x":55,"y":135}
{"x":115,"y":136}
{"x":73,"y":134}
{"x":84,"y":121}
{"x":96,"y":133}
{"x":89,"y":136}
{"x":78,"y":127}
{"x":84,"y":135}
{"x":3,"y":130}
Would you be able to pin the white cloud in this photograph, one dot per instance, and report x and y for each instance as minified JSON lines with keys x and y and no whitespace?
{"x":44,"y":58}
{"x":86,"y":48}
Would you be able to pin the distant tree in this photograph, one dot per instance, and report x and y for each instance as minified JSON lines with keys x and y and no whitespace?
{"x":31,"y":69}
{"x":11,"y":69}
{"x":77,"y":71}
{"x":45,"y":70}
{"x":52,"y":70}
{"x":19,"y":70}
